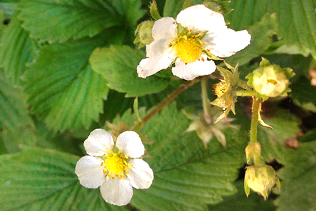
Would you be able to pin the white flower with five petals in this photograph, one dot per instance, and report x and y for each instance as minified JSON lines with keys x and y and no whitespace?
{"x":115,"y":167}
{"x":187,"y":41}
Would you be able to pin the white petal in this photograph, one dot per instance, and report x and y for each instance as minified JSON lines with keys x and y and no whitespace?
{"x":193,"y":70}
{"x":130,"y":144}
{"x":90,"y":172}
{"x":229,"y":42}
{"x":117,"y":191}
{"x":164,"y":28}
{"x":150,"y":66}
{"x":159,"y":54}
{"x":200,"y":18}
{"x":98,"y":143}
{"x":140,"y":174}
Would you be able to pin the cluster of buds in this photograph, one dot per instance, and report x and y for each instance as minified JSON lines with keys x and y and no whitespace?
{"x":259,"y":177}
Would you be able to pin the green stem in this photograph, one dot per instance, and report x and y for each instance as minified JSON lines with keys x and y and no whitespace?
{"x":170,"y":98}
{"x":254,"y":120}
{"x":205,"y":100}
{"x":245,"y":93}
{"x":256,"y":104}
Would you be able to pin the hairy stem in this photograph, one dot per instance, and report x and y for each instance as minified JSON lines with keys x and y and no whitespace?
{"x":170,"y":98}
{"x":205,"y":100}
{"x":245,"y":93}
{"x":256,"y":105}
{"x":254,"y":120}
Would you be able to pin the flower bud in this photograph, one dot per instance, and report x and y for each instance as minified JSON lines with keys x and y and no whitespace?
{"x":253,"y":151}
{"x":260,"y":179}
{"x":144,"y":33}
{"x":270,"y":80}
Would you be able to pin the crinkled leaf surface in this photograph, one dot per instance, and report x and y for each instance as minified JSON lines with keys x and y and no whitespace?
{"x":285,"y":125}
{"x":117,"y":64}
{"x":17,"y":49}
{"x":295,"y":19}
{"x":240,"y":202}
{"x":187,"y":176}
{"x":63,"y":88}
{"x":298,"y":189}
{"x":303,"y":94}
{"x":130,"y":10}
{"x":60,"y":20}
{"x":42,"y":179}
{"x":17,"y":126}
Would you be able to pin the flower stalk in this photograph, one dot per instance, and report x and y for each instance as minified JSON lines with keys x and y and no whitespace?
{"x":205,"y":100}
{"x":245,"y":93}
{"x":254,"y":120}
{"x":170,"y":98}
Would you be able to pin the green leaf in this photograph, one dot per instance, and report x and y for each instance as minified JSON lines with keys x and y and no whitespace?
{"x":186,"y":175}
{"x":8,"y":8}
{"x":61,"y":20}
{"x":172,"y":8}
{"x":118,"y":67}
{"x":80,"y":104}
{"x":298,"y":188}
{"x":302,"y":30}
{"x":17,"y":49}
{"x":261,"y":39}
{"x":17,"y":126}
{"x":130,"y":10}
{"x":285,"y":125}
{"x":295,"y":19}
{"x":240,"y":202}
{"x":303,"y":94}
{"x":42,"y":179}
{"x":62,"y":87}
{"x":241,"y":17}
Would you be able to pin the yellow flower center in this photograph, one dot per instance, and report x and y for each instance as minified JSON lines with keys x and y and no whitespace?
{"x":188,"y":50}
{"x":115,"y":165}
{"x":220,"y":88}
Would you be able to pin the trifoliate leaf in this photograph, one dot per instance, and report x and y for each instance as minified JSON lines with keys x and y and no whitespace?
{"x":17,"y":49}
{"x":118,"y":68}
{"x":42,"y":179}
{"x":62,"y":87}
{"x":298,"y":189}
{"x":60,"y":20}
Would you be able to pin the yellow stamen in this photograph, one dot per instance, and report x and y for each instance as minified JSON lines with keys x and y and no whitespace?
{"x":115,"y":164}
{"x":188,"y":50}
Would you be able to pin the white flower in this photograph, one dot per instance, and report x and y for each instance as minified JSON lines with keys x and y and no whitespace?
{"x":188,"y":40}
{"x":114,"y":167}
